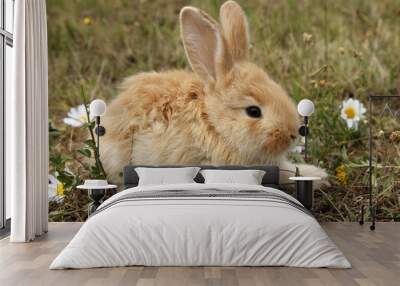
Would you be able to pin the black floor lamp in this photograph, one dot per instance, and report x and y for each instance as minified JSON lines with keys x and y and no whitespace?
{"x":304,"y":185}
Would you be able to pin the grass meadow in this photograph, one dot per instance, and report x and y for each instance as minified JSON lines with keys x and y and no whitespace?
{"x":324,"y":50}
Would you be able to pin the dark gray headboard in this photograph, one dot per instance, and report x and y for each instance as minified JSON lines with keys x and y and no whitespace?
{"x":271,"y":177}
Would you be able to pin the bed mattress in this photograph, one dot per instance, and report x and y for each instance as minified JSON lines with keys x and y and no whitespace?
{"x":201,"y":225}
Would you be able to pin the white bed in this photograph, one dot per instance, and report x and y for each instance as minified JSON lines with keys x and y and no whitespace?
{"x":267,"y":229}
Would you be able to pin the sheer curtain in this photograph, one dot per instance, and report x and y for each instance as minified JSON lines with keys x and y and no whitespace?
{"x":27,"y":124}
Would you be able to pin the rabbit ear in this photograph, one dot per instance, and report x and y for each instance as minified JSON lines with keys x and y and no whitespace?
{"x":204,"y":45}
{"x":235,"y":29}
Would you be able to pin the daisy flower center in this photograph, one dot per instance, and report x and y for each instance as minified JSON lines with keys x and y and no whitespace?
{"x":82,"y":118}
{"x":60,"y":189}
{"x":350,"y":112}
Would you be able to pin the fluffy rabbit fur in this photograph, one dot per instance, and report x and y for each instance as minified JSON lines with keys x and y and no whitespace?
{"x":203,"y":117}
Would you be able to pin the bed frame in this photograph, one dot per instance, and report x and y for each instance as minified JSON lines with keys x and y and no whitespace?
{"x":271,"y":177}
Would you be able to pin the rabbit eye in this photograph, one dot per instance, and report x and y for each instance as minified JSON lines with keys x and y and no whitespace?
{"x":253,"y":111}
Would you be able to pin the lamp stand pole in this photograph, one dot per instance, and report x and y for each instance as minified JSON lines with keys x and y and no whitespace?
{"x":100,"y":131}
{"x":98,"y":140}
{"x":305,"y":137}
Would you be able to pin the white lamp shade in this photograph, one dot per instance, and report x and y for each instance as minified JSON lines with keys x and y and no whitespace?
{"x":305,"y":107}
{"x":97,"y":108}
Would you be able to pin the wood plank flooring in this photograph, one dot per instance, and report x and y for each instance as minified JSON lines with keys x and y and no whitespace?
{"x":375,"y":257}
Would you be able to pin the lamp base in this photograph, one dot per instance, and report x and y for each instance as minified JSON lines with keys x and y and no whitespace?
{"x":303,"y":131}
{"x":100,"y":130}
{"x":96,"y":196}
{"x":305,"y":193}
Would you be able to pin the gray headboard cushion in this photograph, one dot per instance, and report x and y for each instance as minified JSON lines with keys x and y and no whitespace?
{"x":271,"y":177}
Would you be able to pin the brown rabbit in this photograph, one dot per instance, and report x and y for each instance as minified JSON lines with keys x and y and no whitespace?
{"x":229,"y":111}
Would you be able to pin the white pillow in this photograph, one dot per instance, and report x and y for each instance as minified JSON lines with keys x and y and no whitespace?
{"x":248,"y":177}
{"x":165,"y":176}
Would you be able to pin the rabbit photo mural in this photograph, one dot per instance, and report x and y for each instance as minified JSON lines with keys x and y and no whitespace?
{"x":228,"y":111}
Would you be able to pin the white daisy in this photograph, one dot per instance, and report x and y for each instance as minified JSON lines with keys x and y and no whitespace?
{"x":352,"y":111}
{"x":76,"y":116}
{"x":56,"y":189}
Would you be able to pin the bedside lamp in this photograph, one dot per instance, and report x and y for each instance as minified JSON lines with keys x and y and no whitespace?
{"x":305,"y":108}
{"x":97,"y":109}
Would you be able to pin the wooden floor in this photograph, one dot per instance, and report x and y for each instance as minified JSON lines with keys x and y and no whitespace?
{"x":375,"y":257}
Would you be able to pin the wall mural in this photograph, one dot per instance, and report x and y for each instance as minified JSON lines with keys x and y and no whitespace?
{"x":220,"y":86}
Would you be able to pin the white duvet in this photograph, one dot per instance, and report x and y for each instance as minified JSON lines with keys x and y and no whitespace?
{"x":200,"y":231}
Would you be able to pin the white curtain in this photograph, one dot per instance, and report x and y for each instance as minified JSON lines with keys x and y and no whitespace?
{"x":27,"y":124}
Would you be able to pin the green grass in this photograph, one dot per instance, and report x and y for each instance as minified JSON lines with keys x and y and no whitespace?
{"x":355,"y":48}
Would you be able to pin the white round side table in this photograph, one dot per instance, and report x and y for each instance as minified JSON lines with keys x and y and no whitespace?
{"x":96,"y":194}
